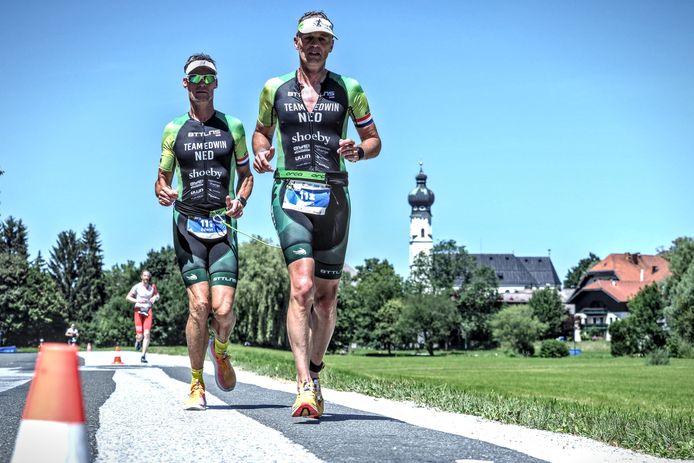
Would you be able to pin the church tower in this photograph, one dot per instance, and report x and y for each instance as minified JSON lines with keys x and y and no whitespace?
{"x":421,"y":199}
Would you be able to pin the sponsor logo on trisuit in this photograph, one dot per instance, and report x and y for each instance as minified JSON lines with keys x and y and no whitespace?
{"x":205,"y":173}
{"x":299,"y":137}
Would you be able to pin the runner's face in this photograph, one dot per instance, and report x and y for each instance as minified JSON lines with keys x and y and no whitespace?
{"x":314,"y":49}
{"x":145,"y":277}
{"x":200,"y":92}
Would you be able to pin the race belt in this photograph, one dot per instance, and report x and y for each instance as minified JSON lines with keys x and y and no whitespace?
{"x":332,"y":178}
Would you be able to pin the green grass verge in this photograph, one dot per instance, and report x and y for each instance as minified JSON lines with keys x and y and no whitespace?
{"x":620,"y":401}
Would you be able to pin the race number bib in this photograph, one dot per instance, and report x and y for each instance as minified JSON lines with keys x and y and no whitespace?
{"x":206,"y":228}
{"x":308,"y":197}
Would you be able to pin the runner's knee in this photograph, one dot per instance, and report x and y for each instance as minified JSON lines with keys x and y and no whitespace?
{"x":199,"y":308}
{"x":303,"y":290}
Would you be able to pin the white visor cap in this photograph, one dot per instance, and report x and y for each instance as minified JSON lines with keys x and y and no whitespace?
{"x":201,"y":63}
{"x":316,"y":24}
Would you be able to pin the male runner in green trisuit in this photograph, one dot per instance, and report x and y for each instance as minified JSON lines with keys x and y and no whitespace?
{"x":309,"y":108}
{"x":205,"y":148}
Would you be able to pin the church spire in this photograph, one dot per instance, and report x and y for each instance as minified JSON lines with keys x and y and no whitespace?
{"x":421,"y":200}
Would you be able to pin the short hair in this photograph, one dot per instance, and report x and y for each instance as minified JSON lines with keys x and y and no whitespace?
{"x":147,"y":272}
{"x":196,"y":57}
{"x":311,"y":14}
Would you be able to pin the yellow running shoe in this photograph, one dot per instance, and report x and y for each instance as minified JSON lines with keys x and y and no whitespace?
{"x":196,"y":399}
{"x":305,"y":404}
{"x":224,"y":374}
{"x":320,"y":404}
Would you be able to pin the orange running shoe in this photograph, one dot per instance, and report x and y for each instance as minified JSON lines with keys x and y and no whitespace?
{"x":305,"y":404}
{"x":224,"y":374}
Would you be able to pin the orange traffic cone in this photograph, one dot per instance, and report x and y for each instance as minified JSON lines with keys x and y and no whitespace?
{"x":52,"y":427}
{"x":116,"y":359}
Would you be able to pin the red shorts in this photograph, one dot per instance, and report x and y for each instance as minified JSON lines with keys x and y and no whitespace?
{"x":142,"y":321}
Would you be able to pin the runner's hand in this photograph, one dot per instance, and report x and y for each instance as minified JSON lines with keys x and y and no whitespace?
{"x":348,"y":150}
{"x":261,"y":161}
{"x":234,"y":208}
{"x":167,"y":196}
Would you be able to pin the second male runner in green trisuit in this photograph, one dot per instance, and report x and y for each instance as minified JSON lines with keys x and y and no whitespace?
{"x":205,"y":148}
{"x":309,"y":109}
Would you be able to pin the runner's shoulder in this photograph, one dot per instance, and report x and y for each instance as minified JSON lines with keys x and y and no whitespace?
{"x":349,"y":83}
{"x":177,"y":123}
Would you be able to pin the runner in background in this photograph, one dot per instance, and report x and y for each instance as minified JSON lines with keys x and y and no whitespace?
{"x":72,"y":334}
{"x":143,"y":295}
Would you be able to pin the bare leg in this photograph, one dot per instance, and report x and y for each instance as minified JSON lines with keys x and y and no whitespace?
{"x":224,"y":318}
{"x":323,"y":319}
{"x":299,"y":314}
{"x":145,"y":343}
{"x":196,"y":327}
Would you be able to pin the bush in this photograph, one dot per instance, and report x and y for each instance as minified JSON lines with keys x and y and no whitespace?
{"x":551,"y":348}
{"x":679,"y":348}
{"x":516,"y":327}
{"x":658,"y":357}
{"x":625,"y":339}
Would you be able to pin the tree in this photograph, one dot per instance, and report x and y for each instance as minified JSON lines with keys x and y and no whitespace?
{"x":517,"y":327}
{"x":13,"y":238}
{"x":347,"y":303}
{"x":63,"y":267}
{"x":679,"y":289}
{"x":44,"y":305}
{"x":575,"y":274}
{"x":646,"y":316}
{"x":262,"y":295}
{"x":387,"y":318}
{"x":478,"y":300}
{"x":624,"y":338}
{"x":90,"y":293}
{"x":447,"y":265}
{"x":376,"y":283}
{"x":548,"y":308}
{"x":13,"y":313}
{"x":429,"y":318}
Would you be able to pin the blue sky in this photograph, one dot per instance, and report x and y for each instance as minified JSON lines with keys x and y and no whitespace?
{"x":541,"y":124}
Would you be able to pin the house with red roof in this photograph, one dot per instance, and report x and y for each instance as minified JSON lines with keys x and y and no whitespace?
{"x":603,"y":293}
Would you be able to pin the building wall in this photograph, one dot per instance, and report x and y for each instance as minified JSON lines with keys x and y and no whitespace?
{"x":598,"y":299}
{"x":420,"y":226}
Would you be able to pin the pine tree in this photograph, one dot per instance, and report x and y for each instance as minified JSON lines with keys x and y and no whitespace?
{"x":13,"y":238}
{"x":63,"y":267}
{"x":90,"y":291}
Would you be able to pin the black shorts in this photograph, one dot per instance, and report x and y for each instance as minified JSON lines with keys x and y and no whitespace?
{"x":321,"y":237}
{"x":213,"y":261}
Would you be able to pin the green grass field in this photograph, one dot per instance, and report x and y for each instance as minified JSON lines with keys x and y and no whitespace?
{"x":621,"y":401}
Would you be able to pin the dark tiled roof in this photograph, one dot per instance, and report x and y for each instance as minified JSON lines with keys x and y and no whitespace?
{"x":520,"y":271}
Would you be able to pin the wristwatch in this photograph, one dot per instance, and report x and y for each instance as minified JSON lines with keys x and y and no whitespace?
{"x":242,"y":200}
{"x":360,"y":152}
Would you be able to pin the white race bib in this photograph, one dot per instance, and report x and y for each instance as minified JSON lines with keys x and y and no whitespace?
{"x":206,"y":228}
{"x":308,"y":197}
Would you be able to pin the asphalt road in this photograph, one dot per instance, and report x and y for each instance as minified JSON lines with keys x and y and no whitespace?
{"x":134,"y":413}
